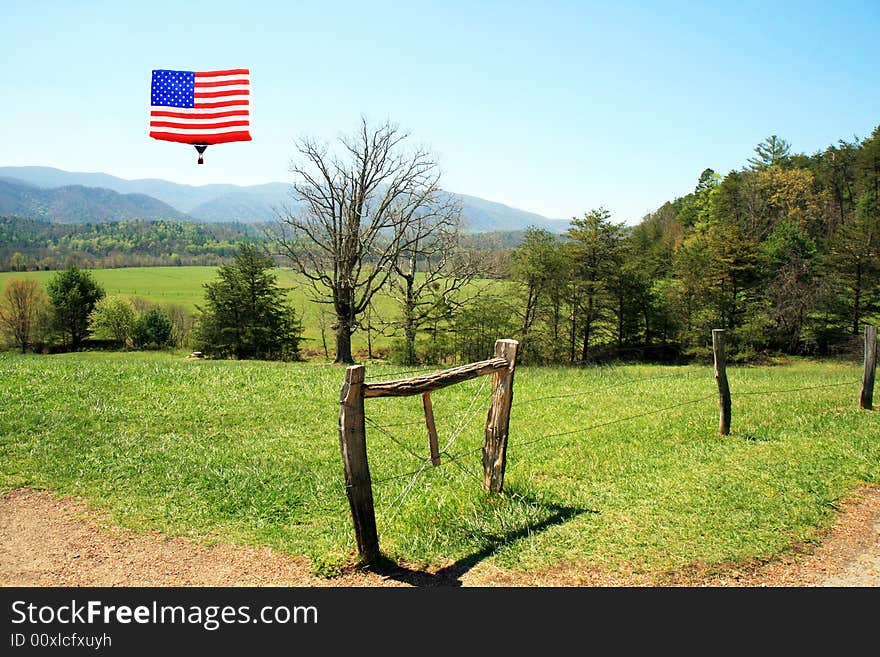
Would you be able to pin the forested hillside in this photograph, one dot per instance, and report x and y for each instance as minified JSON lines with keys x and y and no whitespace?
{"x":31,"y":244}
{"x":77,"y":204}
{"x":783,"y":253}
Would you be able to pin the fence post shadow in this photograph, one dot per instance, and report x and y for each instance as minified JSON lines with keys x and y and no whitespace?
{"x":452,"y":574}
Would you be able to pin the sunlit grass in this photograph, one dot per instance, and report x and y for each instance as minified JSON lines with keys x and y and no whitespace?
{"x":249,"y":452}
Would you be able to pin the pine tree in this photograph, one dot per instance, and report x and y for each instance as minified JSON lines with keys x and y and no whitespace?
{"x":246,"y":315}
{"x":772,"y":151}
{"x":74,"y":293}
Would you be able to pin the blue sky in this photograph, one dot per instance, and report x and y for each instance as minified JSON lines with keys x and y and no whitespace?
{"x":552,"y":107}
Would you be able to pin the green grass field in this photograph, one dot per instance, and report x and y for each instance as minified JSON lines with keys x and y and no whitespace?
{"x":248,"y":452}
{"x":181,"y":285}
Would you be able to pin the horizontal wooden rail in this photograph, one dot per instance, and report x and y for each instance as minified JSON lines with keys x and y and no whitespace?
{"x":416,"y":385}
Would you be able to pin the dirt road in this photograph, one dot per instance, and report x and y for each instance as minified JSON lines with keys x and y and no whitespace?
{"x":48,"y":541}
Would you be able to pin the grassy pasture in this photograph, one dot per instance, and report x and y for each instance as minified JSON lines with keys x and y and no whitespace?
{"x":182,"y":285}
{"x":248,"y":452}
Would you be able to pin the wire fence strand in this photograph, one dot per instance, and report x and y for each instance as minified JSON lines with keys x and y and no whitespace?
{"x":598,"y":425}
{"x":394,"y":507}
{"x":771,"y":391}
{"x":396,"y":440}
{"x":466,"y":417}
{"x":609,"y":387}
{"x":456,"y":458}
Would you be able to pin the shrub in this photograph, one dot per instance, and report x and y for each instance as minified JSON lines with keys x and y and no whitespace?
{"x":153,"y":330}
{"x":114,"y":318}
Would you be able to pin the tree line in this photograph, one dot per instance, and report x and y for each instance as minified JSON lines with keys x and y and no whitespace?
{"x":73,"y":311}
{"x":783,"y":253}
{"x":30,"y":244}
{"x":244,"y":314}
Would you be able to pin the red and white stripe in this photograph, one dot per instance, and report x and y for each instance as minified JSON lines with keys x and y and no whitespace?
{"x":221,"y":111}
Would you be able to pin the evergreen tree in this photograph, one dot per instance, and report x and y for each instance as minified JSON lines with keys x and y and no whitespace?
{"x":853,"y":260}
{"x":539,"y":265}
{"x":74,"y":293}
{"x":246,"y":315}
{"x":772,"y":150}
{"x":868,"y":163}
{"x":152,"y":329}
{"x":597,"y":245}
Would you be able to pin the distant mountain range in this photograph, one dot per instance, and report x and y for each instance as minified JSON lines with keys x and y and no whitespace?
{"x":78,"y":204}
{"x":71,"y":197}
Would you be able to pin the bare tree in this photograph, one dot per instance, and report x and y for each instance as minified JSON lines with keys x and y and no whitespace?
{"x":430,"y":273}
{"x":182,"y":324}
{"x":24,"y":312}
{"x":322,"y":324}
{"x":352,"y":216}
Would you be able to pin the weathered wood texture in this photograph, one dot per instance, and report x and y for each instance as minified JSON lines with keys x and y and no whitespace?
{"x":498,"y":418}
{"x":432,"y":428}
{"x":721,"y":380}
{"x":353,"y":443}
{"x":416,"y":385}
{"x":866,"y":396}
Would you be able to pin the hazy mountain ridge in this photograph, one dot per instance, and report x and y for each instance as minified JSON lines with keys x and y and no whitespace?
{"x":79,"y":204}
{"x":209,"y":203}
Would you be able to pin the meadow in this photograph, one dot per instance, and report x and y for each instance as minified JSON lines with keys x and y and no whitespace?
{"x":619,"y":468}
{"x":180,"y":285}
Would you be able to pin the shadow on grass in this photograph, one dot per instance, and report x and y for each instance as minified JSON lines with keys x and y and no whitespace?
{"x":451,"y":575}
{"x":759,"y":436}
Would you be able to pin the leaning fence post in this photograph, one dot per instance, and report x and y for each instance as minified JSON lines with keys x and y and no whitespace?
{"x":353,"y":443}
{"x":498,"y":418}
{"x":432,"y":428}
{"x":721,"y":380}
{"x":866,"y":397}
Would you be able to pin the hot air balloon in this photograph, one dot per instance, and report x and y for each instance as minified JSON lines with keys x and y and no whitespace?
{"x":201,"y":108}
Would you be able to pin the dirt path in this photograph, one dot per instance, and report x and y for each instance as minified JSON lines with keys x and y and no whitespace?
{"x":48,"y":541}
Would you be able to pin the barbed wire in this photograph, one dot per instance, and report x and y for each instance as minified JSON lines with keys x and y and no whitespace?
{"x":395,"y":477}
{"x":466,"y":417}
{"x":608,"y":387}
{"x":456,"y":458}
{"x":396,"y":440}
{"x":384,"y":376}
{"x":401,"y":498}
{"x":397,"y":503}
{"x":402,"y":424}
{"x":598,"y":425}
{"x":771,"y":391}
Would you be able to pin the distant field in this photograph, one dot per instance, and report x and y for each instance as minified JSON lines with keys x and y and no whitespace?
{"x":184,"y":285}
{"x":181,"y":285}
{"x":615,"y":468}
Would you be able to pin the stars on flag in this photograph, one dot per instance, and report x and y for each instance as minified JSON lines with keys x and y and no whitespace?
{"x":173,"y":88}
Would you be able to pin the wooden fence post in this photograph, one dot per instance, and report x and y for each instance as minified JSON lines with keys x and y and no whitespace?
{"x":432,"y":428}
{"x":353,"y":443}
{"x":866,"y":397}
{"x":498,"y":418}
{"x":721,"y":380}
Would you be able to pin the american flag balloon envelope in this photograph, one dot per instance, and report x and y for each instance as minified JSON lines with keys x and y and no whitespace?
{"x":200,"y":107}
